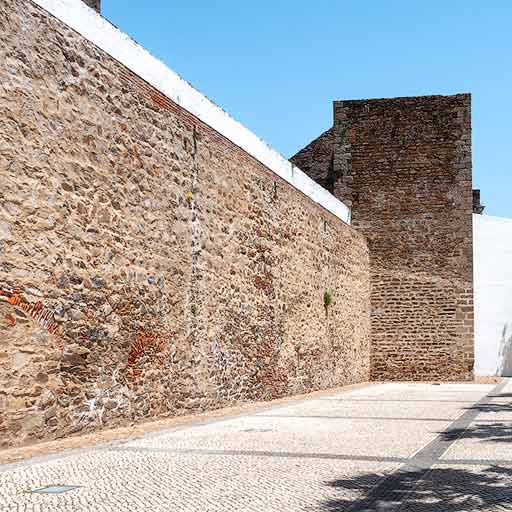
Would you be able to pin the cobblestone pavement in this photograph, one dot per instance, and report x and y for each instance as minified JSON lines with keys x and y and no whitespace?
{"x":403,"y":447}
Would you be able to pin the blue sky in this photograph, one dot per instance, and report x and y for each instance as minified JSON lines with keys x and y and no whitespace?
{"x":277,"y":65}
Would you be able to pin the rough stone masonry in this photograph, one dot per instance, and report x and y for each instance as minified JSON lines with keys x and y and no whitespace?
{"x":404,"y":165}
{"x":149,"y":266}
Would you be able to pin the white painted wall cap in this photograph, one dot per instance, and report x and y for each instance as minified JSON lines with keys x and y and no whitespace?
{"x":88,"y":23}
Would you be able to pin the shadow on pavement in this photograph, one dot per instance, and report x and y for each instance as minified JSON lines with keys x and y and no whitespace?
{"x":491,"y":407}
{"x":487,"y":432}
{"x":440,"y":489}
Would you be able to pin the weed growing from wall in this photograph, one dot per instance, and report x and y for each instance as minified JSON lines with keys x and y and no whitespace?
{"x":327,"y":302}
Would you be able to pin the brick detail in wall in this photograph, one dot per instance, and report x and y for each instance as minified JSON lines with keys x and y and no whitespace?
{"x":160,"y":101}
{"x":404,"y":164}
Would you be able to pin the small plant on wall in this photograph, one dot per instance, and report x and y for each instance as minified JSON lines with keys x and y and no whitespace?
{"x":327,"y":302}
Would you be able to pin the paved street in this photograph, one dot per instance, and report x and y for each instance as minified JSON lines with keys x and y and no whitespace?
{"x":408,"y":447}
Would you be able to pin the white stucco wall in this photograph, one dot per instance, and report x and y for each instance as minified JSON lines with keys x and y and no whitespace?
{"x":492,"y":248}
{"x":121,"y":47}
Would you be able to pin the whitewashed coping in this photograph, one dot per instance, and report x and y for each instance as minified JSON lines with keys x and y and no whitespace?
{"x":87,"y":22}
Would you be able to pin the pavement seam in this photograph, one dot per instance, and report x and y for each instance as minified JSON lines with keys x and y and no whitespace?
{"x":374,"y":418}
{"x":311,"y":455}
{"x":262,"y":453}
{"x":397,"y":400}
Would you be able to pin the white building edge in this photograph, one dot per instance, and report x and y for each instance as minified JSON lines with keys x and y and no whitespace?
{"x":492,"y":277}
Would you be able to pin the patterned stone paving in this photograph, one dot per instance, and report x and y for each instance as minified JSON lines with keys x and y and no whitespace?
{"x":403,"y":447}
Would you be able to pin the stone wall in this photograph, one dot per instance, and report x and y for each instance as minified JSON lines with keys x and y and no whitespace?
{"x":149,"y":266}
{"x":404,"y":164}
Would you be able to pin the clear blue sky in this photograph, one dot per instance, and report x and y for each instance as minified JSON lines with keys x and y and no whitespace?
{"x":277,"y":65}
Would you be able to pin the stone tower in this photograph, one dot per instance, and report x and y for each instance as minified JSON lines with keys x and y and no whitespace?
{"x":404,"y":165}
